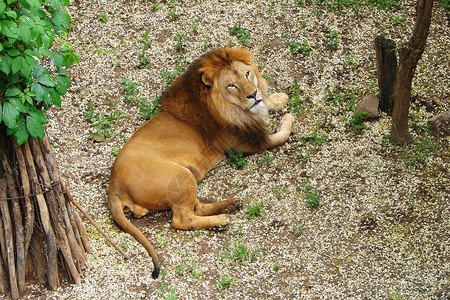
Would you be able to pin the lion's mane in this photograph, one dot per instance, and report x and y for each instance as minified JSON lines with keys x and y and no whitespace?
{"x":190,"y":100}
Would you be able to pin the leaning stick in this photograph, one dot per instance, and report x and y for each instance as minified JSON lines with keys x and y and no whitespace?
{"x":9,"y":241}
{"x":92,"y":221}
{"x":29,"y":208}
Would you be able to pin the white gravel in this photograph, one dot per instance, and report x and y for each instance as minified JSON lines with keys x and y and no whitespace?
{"x":381,"y":230}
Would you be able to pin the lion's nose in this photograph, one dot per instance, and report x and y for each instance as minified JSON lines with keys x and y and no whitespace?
{"x":252,"y":95}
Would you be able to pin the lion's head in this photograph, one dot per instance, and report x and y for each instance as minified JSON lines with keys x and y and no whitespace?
{"x":221,"y":89}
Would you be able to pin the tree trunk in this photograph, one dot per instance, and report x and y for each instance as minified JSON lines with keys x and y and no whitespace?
{"x":41,"y":237}
{"x":386,"y":71}
{"x":409,"y":56}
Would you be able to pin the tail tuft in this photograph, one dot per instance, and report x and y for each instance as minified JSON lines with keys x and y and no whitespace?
{"x":155,"y":273}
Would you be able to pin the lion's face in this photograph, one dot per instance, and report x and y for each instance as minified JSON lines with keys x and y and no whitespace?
{"x":240,"y":85}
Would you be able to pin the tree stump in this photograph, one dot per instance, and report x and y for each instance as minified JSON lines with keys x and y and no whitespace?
{"x":41,"y":237}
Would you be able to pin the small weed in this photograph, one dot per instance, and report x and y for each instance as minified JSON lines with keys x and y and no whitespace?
{"x":149,"y":111}
{"x":297,"y":228}
{"x":173,"y":15}
{"x":155,"y":7}
{"x":102,"y":18}
{"x":147,"y":43}
{"x":418,"y":151}
{"x":104,"y":124}
{"x":295,"y":91}
{"x":276,"y":266}
{"x":239,"y":253}
{"x":143,"y":61}
{"x":115,"y":151}
{"x":314,"y":137}
{"x":278,"y":191}
{"x":171,"y":295}
{"x":187,"y":265}
{"x":356,"y":122}
{"x":266,"y":158}
{"x":164,"y":286}
{"x":225,"y":282}
{"x":236,"y":158}
{"x":398,"y":20}
{"x":169,"y":77}
{"x":181,"y":39}
{"x":194,"y":26}
{"x":311,"y":196}
{"x":347,"y":100}
{"x":299,"y":48}
{"x":350,"y":61}
{"x":255,"y":211}
{"x":304,"y":157}
{"x":241,"y":33}
{"x":130,"y":91}
{"x":332,"y":42}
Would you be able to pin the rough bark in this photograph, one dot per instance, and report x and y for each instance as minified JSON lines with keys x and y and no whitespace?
{"x":386,"y":71}
{"x":409,"y":55}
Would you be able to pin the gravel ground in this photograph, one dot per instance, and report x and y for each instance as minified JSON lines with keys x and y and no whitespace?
{"x":382,"y":226}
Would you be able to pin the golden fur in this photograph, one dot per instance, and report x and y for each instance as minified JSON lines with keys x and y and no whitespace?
{"x":219,"y":103}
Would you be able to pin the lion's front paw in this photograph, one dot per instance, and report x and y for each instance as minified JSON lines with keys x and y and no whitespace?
{"x":287,"y":120}
{"x":279,"y":100}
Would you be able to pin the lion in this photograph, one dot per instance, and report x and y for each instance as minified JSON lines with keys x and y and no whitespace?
{"x":220,"y":102}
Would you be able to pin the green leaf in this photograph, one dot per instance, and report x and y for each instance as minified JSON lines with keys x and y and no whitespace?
{"x":39,"y":115}
{"x":10,"y":115}
{"x":24,"y":32}
{"x":46,"y":80}
{"x":5,"y":64}
{"x":31,"y":60}
{"x":1,"y":109}
{"x":16,"y":64}
{"x":13,"y":52}
{"x":38,"y":89}
{"x":9,"y":28}
{"x":34,"y":3}
{"x":35,"y":128}
{"x":21,"y":132}
{"x":11,"y":14}
{"x":58,"y":60}
{"x":2,"y":6}
{"x":62,"y":84}
{"x":26,"y":68}
{"x":12,"y":91}
{"x":18,"y":105}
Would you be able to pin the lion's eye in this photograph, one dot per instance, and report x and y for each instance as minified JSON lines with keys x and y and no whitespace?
{"x":247,"y":74}
{"x":231,"y":86}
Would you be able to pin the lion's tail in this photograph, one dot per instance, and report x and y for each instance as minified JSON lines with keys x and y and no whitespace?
{"x":119,"y":216}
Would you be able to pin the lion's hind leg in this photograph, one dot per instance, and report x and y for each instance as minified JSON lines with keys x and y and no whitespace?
{"x":210,"y":209}
{"x":184,"y":218}
{"x":182,"y":196}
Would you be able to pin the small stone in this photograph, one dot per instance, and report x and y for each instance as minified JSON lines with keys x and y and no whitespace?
{"x":368,"y":104}
{"x":441,"y":123}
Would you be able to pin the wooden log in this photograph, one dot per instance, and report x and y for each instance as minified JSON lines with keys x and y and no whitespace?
{"x":50,"y":239}
{"x":7,"y":226}
{"x":386,"y":71}
{"x":50,"y":164}
{"x":28,"y":205}
{"x":3,"y":273}
{"x":68,"y":248}
{"x":17,"y":221}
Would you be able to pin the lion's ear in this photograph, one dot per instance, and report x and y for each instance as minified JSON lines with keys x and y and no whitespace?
{"x":206,"y":80}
